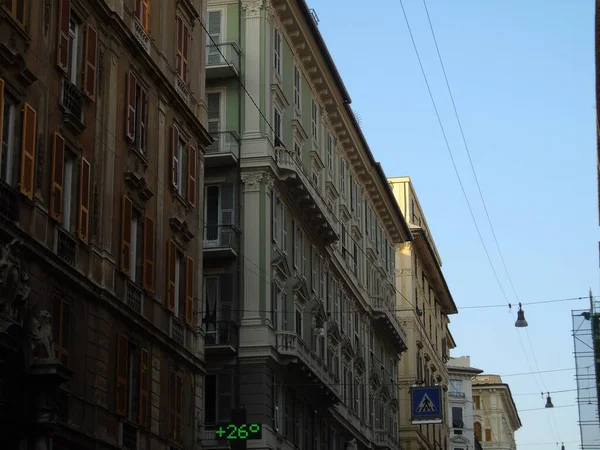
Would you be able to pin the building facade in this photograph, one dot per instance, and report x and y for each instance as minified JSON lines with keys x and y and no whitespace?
{"x":301,"y":225}
{"x":460,"y":403}
{"x":424,"y":303}
{"x":495,"y":414}
{"x":103,"y":131}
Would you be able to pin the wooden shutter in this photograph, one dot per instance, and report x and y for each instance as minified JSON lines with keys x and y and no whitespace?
{"x":62,"y":49}
{"x":145,"y":14}
{"x":143,"y":132}
{"x":148,"y":274}
{"x":189,"y":291}
{"x":122,"y":371}
{"x":131,"y":110}
{"x":126,"y":216}
{"x":174,"y":159}
{"x":144,"y":388}
{"x":58,"y":173}
{"x":184,"y":69}
{"x":171,"y":268}
{"x":89,"y":71}
{"x":28,"y":150}
{"x":1,"y":109}
{"x":84,"y":200}
{"x":192,"y":155}
{"x":179,"y":54}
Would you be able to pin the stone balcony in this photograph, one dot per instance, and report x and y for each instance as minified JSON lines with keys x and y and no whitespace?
{"x":384,"y":312}
{"x":307,"y":367}
{"x":294,"y":174}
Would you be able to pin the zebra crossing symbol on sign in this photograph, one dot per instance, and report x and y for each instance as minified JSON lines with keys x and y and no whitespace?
{"x":426,"y":405}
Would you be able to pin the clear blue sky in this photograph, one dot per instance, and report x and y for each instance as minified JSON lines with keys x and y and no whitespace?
{"x":522,"y":75}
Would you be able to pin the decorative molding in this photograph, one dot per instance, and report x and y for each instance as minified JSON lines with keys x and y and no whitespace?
{"x":252,"y":180}
{"x":269,"y":181}
{"x":252,"y":8}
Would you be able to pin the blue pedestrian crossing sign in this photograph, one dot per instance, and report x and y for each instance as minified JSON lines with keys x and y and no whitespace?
{"x":426,"y":404}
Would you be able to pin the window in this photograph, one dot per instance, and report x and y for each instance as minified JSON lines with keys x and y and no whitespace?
{"x":183,"y":173}
{"x":297,"y":90}
{"x":73,"y":49}
{"x":214,"y":118}
{"x":488,"y":434}
{"x":180,"y":283}
{"x":137,"y":114}
{"x":297,"y":148}
{"x":214,"y":38}
{"x":456,"y":386}
{"x":299,"y":327}
{"x":219,"y":215}
{"x":343,"y":178}
{"x":457,"y":417}
{"x":7,"y":130}
{"x":477,"y":430}
{"x":218,"y":398}
{"x":17,"y":10}
{"x":28,"y":144}
{"x":61,"y":327}
{"x":278,"y":303}
{"x":476,"y":402}
{"x":137,"y":245}
{"x":181,"y":59}
{"x":297,"y":238}
{"x":315,"y":122}
{"x":283,"y":216}
{"x":277,"y":128}
{"x":133,"y":364}
{"x":277,"y":51}
{"x":218,"y":305}
{"x":330,"y":152}
{"x":175,"y":405}
{"x":142,"y":13}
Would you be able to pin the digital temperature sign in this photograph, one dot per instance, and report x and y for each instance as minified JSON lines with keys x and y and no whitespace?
{"x":239,"y":432}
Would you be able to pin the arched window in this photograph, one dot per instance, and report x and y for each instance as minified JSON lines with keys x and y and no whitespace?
{"x":478,"y":431}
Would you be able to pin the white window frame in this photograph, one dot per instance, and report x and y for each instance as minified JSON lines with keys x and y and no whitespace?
{"x":69,"y":166}
{"x":330,"y":147}
{"x":275,"y":212}
{"x":277,"y":125}
{"x":315,"y":121}
{"x":297,"y":89}
{"x":8,"y":136}
{"x":277,"y":51}
{"x":222,"y":113}
{"x":222,"y":32}
{"x":343,"y":177}
{"x":283,"y":216}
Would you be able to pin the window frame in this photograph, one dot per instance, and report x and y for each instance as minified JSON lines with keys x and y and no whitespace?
{"x":277,"y":52}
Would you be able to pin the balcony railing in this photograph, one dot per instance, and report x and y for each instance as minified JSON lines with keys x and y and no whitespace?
{"x":456,"y":394}
{"x":226,"y":142}
{"x":72,"y":100}
{"x":296,"y":176}
{"x":140,"y":34}
{"x":66,"y":247}
{"x":9,"y":203}
{"x":221,"y":333}
{"x":222,"y":59}
{"x":134,"y":297}
{"x":290,"y":344}
{"x":177,"y":330}
{"x":221,"y":237}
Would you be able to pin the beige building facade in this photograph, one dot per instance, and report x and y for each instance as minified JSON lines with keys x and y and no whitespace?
{"x":495,"y":414}
{"x":423,"y":303}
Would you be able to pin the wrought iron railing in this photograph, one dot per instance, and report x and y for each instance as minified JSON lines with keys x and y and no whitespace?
{"x":221,"y":332}
{"x":177,"y":330}
{"x":221,"y":236}
{"x":223,"y":54}
{"x":456,"y":394}
{"x":72,"y":100}
{"x":66,"y":247}
{"x":225,"y":142}
{"x":134,"y":297}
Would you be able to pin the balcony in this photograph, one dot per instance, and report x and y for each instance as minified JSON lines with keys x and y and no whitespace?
{"x":72,"y":106}
{"x":134,"y":297}
{"x":140,"y":35}
{"x":456,"y":394}
{"x":221,"y":338}
{"x":307,"y":367}
{"x":177,"y":331}
{"x":224,"y":151}
{"x":384,"y":439}
{"x":296,"y":177}
{"x":384,"y":312}
{"x":208,"y":438}
{"x":9,"y":203}
{"x":222,"y":60}
{"x":221,"y":241}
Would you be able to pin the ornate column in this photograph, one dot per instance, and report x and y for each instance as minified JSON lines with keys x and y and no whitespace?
{"x":251,"y":255}
{"x":252,"y":49}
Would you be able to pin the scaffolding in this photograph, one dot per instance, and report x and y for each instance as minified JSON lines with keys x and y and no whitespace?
{"x":586,"y":338}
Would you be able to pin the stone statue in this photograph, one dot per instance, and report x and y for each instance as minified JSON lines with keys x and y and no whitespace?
{"x":38,"y":329}
{"x":14,"y":282}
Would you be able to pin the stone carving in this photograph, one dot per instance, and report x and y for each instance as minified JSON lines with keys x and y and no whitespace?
{"x":252,"y":180}
{"x":252,"y":8}
{"x":269,"y":181}
{"x":38,"y":329}
{"x":14,"y":282}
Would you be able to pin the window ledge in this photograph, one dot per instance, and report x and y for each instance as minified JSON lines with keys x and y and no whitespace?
{"x":141,"y":156}
{"x":20,"y":28}
{"x":177,"y":195}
